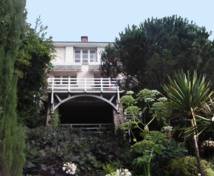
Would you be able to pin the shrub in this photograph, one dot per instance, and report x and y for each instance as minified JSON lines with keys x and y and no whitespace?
{"x":187,"y":166}
{"x":49,"y":148}
{"x":169,"y":150}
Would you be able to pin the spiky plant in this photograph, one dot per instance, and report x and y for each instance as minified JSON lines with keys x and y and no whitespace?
{"x":186,"y":92}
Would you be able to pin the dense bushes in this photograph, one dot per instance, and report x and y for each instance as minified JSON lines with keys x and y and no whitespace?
{"x":169,"y":150}
{"x":187,"y":166}
{"x":49,"y":148}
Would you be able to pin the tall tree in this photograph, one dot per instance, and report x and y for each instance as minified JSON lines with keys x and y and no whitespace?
{"x":186,"y":92}
{"x":32,"y":65}
{"x":12,"y":21}
{"x":156,"y":48}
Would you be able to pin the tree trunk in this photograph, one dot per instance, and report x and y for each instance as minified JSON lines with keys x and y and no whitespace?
{"x":195,"y":140}
{"x":197,"y":155}
{"x":169,"y":132}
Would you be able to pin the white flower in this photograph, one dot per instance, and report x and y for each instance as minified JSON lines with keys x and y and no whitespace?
{"x":69,"y":168}
{"x":155,"y":92}
{"x":149,"y":99}
{"x":129,"y":92}
{"x":120,"y":172}
{"x":167,"y":128}
{"x":208,"y":143}
{"x":162,"y":99}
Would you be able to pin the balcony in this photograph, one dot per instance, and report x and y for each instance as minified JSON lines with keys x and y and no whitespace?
{"x":59,"y":67}
{"x":83,"y":85}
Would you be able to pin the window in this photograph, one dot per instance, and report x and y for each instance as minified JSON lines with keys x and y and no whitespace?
{"x":85,"y":55}
{"x":93,"y":56}
{"x":77,"y":56}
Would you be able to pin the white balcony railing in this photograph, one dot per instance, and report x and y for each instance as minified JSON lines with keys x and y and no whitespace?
{"x":93,"y":85}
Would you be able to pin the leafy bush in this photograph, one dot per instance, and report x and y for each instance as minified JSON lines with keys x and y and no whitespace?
{"x":187,"y":166}
{"x":49,"y":148}
{"x":169,"y":150}
{"x":55,"y":120}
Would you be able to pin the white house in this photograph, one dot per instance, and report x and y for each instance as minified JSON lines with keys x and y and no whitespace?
{"x":76,"y":88}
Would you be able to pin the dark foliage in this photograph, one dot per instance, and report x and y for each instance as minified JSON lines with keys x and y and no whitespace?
{"x":156,"y":48}
{"x":32,"y":65}
{"x":48,"y":149}
{"x":12,"y":21}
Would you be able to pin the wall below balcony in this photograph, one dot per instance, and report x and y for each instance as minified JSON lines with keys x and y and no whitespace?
{"x":85,"y":73}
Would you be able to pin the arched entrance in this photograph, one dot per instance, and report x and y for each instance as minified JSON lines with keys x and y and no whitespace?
{"x":83,"y":110}
{"x":97,"y":108}
{"x":85,"y":114}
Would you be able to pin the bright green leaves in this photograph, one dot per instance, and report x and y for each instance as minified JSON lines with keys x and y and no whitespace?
{"x":186,"y":91}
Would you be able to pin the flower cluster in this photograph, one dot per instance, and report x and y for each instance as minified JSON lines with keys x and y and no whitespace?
{"x":162,"y":99}
{"x":207,"y":143}
{"x":167,"y":128}
{"x":149,"y":99}
{"x":129,"y":92}
{"x":69,"y":168}
{"x":155,"y":92}
{"x":120,"y":172}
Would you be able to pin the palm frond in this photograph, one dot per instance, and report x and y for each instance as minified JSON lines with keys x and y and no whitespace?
{"x":186,"y":92}
{"x":188,"y":95}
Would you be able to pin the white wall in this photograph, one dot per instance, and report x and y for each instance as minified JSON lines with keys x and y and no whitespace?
{"x":65,"y":56}
{"x":59,"y":55}
{"x":69,"y":54}
{"x":85,"y":73}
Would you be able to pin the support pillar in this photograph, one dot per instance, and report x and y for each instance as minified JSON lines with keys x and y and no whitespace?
{"x":118,"y":117}
{"x":48,"y":117}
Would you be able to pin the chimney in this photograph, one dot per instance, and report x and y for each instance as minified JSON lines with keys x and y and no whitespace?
{"x":84,"y":38}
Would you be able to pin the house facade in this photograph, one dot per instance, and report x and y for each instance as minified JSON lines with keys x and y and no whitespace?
{"x":76,"y":88}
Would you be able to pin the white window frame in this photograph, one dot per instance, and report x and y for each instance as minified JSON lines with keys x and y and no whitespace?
{"x":85,"y":57}
{"x":77,"y":59}
{"x":93,"y":55}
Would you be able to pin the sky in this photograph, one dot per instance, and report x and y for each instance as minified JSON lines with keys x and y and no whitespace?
{"x":103,"y":20}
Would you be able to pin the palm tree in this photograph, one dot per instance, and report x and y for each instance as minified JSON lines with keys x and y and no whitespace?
{"x":205,"y":118}
{"x":185,"y":93}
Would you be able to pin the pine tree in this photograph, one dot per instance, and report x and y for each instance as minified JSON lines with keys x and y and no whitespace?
{"x":158,"y":47}
{"x":12,"y":21}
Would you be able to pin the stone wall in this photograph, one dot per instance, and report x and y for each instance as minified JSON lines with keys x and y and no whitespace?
{"x":118,"y":117}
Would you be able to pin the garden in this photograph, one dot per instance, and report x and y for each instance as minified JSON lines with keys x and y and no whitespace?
{"x":161,"y":135}
{"x":168,"y":108}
